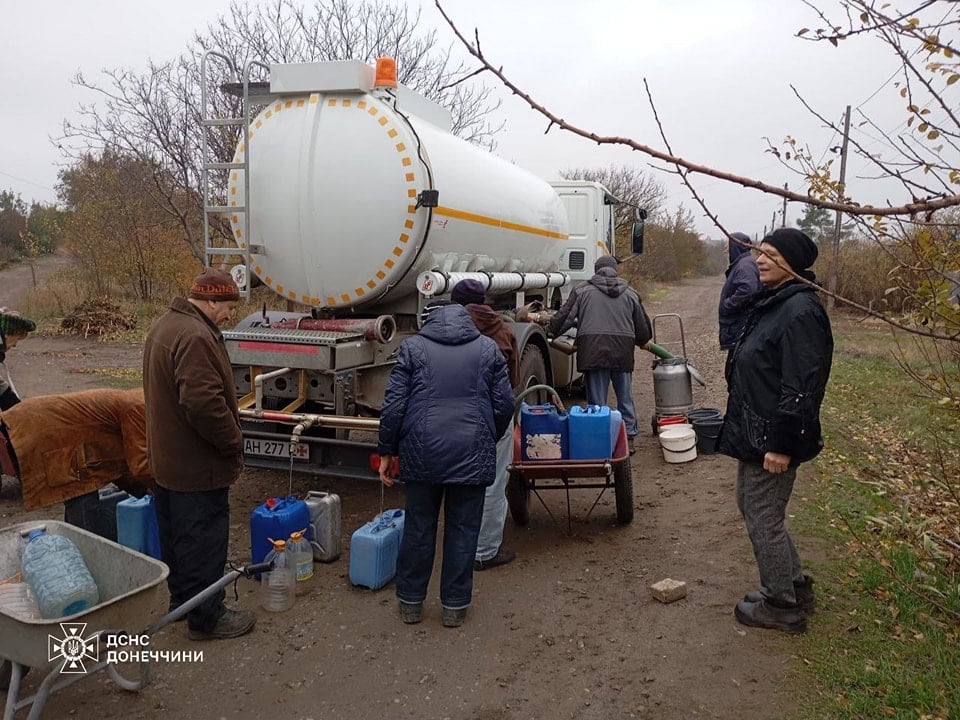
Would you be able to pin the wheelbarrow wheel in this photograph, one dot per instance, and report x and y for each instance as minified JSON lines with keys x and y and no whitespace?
{"x":518,"y":498}
{"x":623,"y":491}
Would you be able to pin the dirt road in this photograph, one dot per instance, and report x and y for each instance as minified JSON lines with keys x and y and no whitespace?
{"x":569,"y":630}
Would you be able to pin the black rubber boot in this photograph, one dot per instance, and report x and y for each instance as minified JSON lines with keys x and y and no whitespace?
{"x":764,"y":614}
{"x":806,"y":598}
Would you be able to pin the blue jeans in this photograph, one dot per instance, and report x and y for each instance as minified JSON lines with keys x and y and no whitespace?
{"x":598,"y":381}
{"x":495,"y":501}
{"x":462,"y":510}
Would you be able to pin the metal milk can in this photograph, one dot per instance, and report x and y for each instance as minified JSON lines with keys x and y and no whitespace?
{"x":672,"y":390}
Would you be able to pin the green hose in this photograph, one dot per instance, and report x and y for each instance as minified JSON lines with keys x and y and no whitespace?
{"x":659,"y":351}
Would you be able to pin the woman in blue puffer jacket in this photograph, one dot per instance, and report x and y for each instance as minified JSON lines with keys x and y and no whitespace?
{"x":448,"y":401}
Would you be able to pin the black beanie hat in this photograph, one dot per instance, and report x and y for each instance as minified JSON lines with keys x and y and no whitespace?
{"x":467,"y":291}
{"x":797,"y":249}
{"x":605,"y":261}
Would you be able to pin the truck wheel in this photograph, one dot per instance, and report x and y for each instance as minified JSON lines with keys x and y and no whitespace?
{"x":518,"y":499}
{"x":623,"y":490}
{"x":533,"y":371}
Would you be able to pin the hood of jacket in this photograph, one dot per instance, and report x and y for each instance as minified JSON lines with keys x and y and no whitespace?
{"x":485,"y":318}
{"x":735,"y":250}
{"x":608,"y":282}
{"x":450,"y":325}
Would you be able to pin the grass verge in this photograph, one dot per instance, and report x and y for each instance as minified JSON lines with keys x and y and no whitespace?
{"x":884,"y":641}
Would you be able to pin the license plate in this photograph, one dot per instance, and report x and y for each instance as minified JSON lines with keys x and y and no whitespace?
{"x":275,"y":448}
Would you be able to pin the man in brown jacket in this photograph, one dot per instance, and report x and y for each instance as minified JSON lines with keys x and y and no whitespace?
{"x":66,"y":447}
{"x":470,"y":294}
{"x":195,"y":447}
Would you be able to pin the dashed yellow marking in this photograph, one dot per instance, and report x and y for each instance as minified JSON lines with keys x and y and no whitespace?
{"x":359,"y":292}
{"x":345,"y":297}
{"x":404,"y":237}
{"x":408,"y":224}
{"x":410,"y":177}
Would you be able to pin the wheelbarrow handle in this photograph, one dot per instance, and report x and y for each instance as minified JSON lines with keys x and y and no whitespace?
{"x":536,"y":388}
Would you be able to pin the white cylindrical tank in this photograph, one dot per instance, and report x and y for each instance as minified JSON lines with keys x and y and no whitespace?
{"x":334,"y":182}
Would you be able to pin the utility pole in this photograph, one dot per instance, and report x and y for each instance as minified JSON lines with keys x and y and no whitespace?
{"x":841,"y":190}
{"x":784,"y":216}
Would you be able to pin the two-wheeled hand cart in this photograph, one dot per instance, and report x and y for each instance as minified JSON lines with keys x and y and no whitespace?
{"x":532,"y":476}
{"x":68,"y":649}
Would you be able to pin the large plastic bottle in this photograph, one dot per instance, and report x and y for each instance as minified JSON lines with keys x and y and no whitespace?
{"x":57,"y":575}
{"x":302,"y":552}
{"x":278,"y":587}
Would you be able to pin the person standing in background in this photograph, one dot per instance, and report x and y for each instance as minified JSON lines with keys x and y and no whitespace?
{"x":195,"y":447}
{"x":470,"y":294}
{"x":13,"y":328}
{"x":447,"y":403}
{"x":610,"y":322}
{"x":776,"y":377}
{"x":742,"y":283}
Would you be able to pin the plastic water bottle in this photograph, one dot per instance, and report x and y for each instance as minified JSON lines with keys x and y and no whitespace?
{"x":302,"y":552}
{"x":57,"y":575}
{"x":278,"y":587}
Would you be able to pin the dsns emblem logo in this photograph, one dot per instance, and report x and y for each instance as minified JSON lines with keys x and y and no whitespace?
{"x":72,"y":648}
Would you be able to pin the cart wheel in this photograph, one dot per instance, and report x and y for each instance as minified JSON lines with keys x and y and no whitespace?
{"x":623,"y":490}
{"x":518,"y":498}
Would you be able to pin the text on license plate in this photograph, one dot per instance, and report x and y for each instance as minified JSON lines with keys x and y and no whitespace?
{"x":275,"y":448}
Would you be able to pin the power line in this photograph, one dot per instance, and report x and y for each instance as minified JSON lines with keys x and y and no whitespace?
{"x":24,"y":180}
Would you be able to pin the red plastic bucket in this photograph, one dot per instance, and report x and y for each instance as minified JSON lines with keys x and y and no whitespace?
{"x":670,"y":421}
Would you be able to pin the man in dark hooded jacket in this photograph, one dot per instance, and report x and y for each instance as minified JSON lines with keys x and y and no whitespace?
{"x":610,"y":322}
{"x":742,"y":283}
{"x":447,"y":403}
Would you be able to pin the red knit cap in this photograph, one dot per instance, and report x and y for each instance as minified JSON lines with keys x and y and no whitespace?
{"x":215,"y":285}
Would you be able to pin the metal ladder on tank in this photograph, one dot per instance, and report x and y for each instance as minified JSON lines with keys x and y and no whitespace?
{"x":214,"y":198}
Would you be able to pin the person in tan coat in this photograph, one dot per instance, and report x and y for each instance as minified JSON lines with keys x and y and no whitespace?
{"x":64,"y":448}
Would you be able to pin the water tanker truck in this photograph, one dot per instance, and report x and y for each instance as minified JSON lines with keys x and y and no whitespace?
{"x":350,"y":197}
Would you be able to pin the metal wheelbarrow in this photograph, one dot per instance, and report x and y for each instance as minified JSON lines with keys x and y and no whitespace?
{"x":68,"y":649}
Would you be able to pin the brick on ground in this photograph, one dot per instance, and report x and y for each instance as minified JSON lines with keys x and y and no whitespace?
{"x":668,"y":590}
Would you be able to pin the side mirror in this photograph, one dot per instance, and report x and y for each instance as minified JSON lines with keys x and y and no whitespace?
{"x":636,"y":239}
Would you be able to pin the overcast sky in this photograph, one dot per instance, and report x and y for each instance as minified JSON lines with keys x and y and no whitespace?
{"x":720,"y":74}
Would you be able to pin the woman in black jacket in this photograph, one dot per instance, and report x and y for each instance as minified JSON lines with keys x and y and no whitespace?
{"x":776,"y":377}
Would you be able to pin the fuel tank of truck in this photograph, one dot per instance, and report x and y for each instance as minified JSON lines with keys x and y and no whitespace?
{"x":338,"y":171}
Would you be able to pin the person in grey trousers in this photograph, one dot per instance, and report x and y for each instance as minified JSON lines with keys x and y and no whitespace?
{"x":776,"y":376}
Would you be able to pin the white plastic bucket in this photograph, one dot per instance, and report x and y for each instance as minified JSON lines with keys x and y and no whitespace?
{"x":679,"y":444}
{"x":678,"y":426}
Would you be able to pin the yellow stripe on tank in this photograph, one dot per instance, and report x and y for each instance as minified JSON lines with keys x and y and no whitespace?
{"x":496,"y":222}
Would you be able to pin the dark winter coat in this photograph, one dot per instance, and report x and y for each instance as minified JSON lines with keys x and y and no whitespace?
{"x":742,"y":283}
{"x":610,"y":321}
{"x":777,"y":375}
{"x":490,"y":323}
{"x":193,"y":427}
{"x":447,"y":403}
